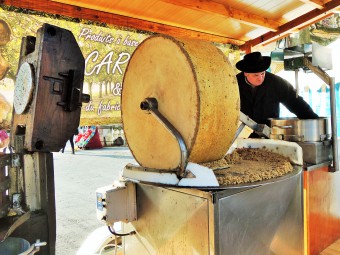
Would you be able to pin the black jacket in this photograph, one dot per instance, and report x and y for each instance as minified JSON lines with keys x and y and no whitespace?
{"x":266,"y":102}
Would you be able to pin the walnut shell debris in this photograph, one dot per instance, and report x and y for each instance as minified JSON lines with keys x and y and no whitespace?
{"x":247,"y":165}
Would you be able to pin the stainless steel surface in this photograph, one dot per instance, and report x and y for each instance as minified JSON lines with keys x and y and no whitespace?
{"x":316,"y":152}
{"x":298,"y":130}
{"x":151,"y":105}
{"x":170,"y":221}
{"x":262,"y":219}
{"x":318,"y":166}
{"x":267,"y":219}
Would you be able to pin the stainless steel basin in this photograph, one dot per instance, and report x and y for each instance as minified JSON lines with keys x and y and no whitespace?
{"x":298,"y":130}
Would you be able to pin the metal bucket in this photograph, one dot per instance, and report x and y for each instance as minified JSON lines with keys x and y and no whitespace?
{"x":297,"y":130}
{"x":14,"y":246}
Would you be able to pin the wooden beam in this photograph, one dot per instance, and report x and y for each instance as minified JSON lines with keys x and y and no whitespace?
{"x":315,"y":3}
{"x":51,"y":7}
{"x":135,"y":14}
{"x":196,"y":5}
{"x":227,"y":12}
{"x":296,"y":24}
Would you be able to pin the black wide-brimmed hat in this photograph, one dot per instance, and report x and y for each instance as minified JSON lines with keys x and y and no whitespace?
{"x":254,"y":63}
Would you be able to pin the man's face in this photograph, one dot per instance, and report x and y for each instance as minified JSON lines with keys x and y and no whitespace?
{"x":255,"y":79}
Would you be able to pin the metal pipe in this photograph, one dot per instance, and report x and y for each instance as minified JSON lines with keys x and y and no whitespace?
{"x":151,"y":105}
{"x":238,"y":131}
{"x":334,"y":125}
{"x":297,"y":82}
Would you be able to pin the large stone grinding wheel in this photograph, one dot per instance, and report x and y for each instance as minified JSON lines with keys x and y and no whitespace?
{"x":196,"y":90}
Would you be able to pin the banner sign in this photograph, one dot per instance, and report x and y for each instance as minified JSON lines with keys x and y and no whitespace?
{"x":106,"y":49}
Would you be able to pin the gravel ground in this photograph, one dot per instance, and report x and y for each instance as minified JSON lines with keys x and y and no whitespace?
{"x":77,"y":176}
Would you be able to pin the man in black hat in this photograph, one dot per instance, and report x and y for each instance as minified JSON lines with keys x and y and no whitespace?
{"x":262,"y":92}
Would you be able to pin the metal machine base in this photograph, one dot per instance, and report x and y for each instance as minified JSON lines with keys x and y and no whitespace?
{"x":316,"y":152}
{"x":263,"y":219}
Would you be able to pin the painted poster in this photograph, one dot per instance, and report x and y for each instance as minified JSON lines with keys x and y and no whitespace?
{"x":106,"y":49}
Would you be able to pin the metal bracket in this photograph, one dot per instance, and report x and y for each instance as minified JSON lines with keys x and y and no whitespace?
{"x":151,"y":104}
{"x":69,"y":89}
{"x":57,"y":85}
{"x":261,"y":129}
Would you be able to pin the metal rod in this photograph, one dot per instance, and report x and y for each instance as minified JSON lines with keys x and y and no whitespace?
{"x":334,"y":125}
{"x":317,"y":70}
{"x":238,"y":131}
{"x":151,"y":105}
{"x":297,"y":82}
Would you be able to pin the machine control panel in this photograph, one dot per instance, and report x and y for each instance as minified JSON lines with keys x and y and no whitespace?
{"x":116,"y":203}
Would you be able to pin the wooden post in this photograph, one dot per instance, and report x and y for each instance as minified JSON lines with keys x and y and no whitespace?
{"x":39,"y":195}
